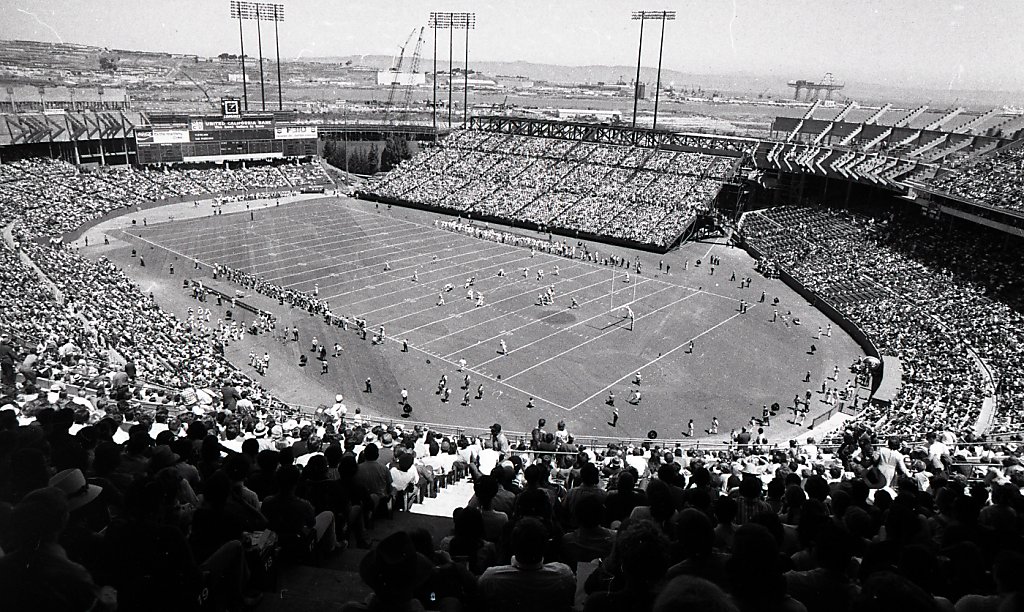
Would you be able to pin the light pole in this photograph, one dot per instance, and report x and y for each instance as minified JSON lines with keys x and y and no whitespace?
{"x":642,"y":16}
{"x":239,"y":10}
{"x":464,"y":21}
{"x":259,"y":11}
{"x":277,"y":14}
{"x":439,"y":21}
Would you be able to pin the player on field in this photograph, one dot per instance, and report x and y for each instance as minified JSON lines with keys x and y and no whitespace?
{"x":504,"y":348}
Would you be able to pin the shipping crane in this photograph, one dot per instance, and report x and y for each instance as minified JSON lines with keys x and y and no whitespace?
{"x":396,"y":72}
{"x":414,"y":69}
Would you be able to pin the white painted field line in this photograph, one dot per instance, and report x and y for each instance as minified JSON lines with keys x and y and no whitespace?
{"x":332,"y":255}
{"x":573,"y":326}
{"x":476,"y":284}
{"x":403,"y":277}
{"x":293,"y":230}
{"x":475,"y":309}
{"x":525,"y":325}
{"x":316,"y":244}
{"x":655,"y":360}
{"x":472,"y":370}
{"x":601,"y":335}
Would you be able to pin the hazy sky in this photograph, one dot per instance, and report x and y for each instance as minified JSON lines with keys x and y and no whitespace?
{"x":924,"y":43}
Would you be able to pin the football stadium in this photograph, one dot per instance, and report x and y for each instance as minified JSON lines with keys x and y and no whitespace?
{"x":564,"y":360}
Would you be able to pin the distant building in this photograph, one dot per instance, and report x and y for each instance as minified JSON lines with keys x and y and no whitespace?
{"x":390,"y":77}
{"x":236,"y":77}
{"x":586,"y":114}
{"x":33,"y":99}
{"x":476,"y":81}
{"x":514,"y":82}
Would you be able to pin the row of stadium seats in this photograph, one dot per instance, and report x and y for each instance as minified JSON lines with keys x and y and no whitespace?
{"x":634,"y":193}
{"x":104,"y":313}
{"x":996,"y":180}
{"x":919,"y":293}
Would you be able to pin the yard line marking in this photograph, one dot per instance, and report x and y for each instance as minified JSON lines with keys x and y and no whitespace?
{"x":481,"y":374}
{"x":460,"y":314}
{"x":655,"y":360}
{"x":572,"y":327}
{"x":333,"y":263}
{"x":457,"y":314}
{"x":525,"y":325}
{"x":316,"y":244}
{"x":597,"y":337}
{"x":404,"y":277}
{"x":407,"y":301}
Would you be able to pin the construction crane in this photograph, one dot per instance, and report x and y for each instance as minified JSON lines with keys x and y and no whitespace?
{"x":395,"y":72}
{"x":414,"y":69}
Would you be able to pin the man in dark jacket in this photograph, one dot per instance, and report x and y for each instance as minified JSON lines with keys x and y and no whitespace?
{"x":8,"y":357}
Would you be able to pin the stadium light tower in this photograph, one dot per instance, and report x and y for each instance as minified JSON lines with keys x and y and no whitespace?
{"x":275,"y":13}
{"x":467,"y":22}
{"x":642,"y":16}
{"x":240,"y":10}
{"x":439,"y":21}
{"x":259,"y":11}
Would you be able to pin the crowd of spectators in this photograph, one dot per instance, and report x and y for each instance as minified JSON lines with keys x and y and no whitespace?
{"x":933,"y":296}
{"x":83,"y":322}
{"x":634,"y":193}
{"x":108,"y":505}
{"x":163,"y":512}
{"x":996,"y":180}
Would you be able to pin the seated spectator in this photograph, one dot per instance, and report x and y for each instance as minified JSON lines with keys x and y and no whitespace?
{"x":467,"y":544}
{"x":528,"y":583}
{"x":485,"y":490}
{"x":35,"y":572}
{"x":395,"y":572}
{"x":633,"y":572}
{"x":591,"y":540}
{"x":294,"y":520}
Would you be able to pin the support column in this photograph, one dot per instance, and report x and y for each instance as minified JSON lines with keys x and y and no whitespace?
{"x":435,"y":81}
{"x":451,"y":80}
{"x":636,"y":83}
{"x":657,"y":87}
{"x":465,"y":83}
{"x":241,"y":43}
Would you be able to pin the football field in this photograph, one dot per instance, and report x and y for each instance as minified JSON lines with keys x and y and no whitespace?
{"x":392,"y":268}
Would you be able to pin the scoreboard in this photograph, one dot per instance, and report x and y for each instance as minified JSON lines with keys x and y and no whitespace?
{"x":225,"y":137}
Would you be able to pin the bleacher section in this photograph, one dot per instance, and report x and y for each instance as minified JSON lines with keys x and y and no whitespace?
{"x":637,"y":194}
{"x":933,"y":135}
{"x":916,"y":292}
{"x":996,"y":180}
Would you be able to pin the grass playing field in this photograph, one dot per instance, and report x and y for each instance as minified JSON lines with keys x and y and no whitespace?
{"x":566,"y":359}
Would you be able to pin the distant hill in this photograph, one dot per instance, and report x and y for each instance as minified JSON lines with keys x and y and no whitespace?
{"x":69,"y":56}
{"x":750,"y":85}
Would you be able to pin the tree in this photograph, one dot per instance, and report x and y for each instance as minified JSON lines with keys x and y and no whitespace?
{"x":108,"y":63}
{"x":396,"y":149}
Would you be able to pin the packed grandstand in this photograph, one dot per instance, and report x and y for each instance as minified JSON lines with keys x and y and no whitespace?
{"x":154,"y":474}
{"x":638,"y":194}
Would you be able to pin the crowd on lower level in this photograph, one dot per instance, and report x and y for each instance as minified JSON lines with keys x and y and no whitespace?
{"x":102,"y":509}
{"x":938,"y":298}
